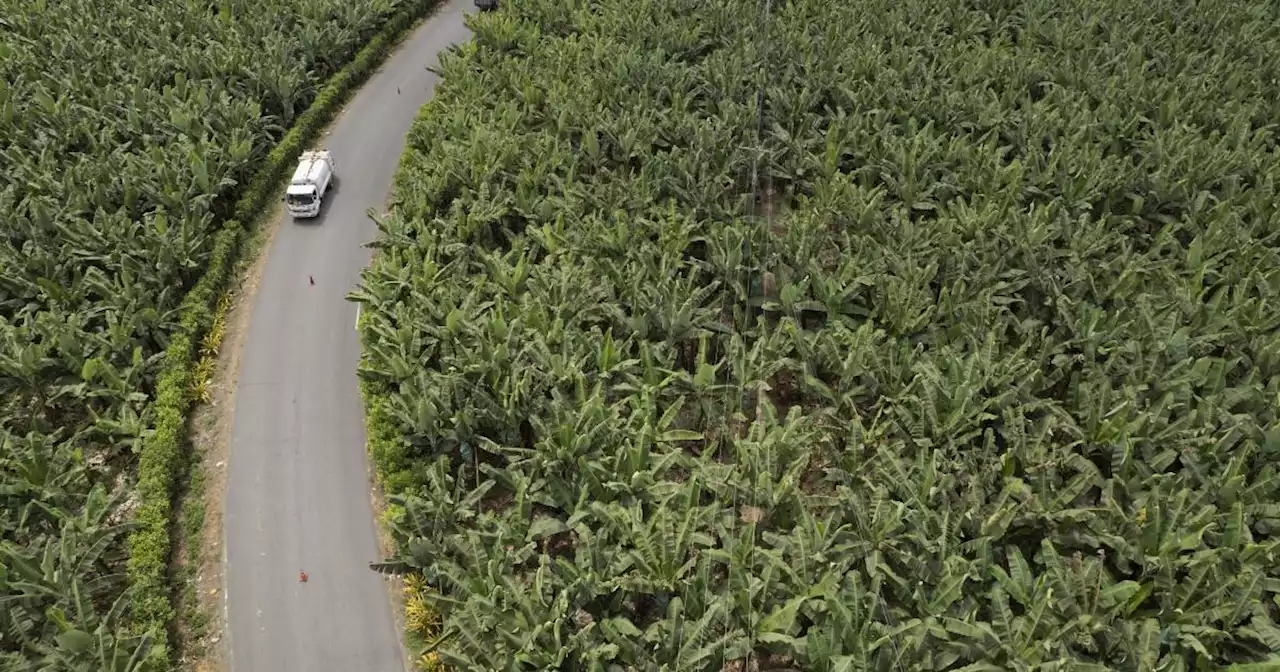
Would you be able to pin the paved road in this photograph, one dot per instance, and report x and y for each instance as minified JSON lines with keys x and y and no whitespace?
{"x":298,"y":491}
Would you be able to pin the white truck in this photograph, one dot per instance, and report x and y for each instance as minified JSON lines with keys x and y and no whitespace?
{"x":311,"y":180}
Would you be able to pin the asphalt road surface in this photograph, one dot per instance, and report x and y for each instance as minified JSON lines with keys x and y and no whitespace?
{"x":298,"y":491}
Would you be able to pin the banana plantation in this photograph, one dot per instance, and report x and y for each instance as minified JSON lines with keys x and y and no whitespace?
{"x":802,"y":335}
{"x":125,"y":128}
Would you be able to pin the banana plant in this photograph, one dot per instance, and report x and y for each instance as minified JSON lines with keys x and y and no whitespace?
{"x":741,"y":335}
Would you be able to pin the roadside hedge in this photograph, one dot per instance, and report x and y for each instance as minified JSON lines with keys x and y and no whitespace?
{"x":162,"y":459}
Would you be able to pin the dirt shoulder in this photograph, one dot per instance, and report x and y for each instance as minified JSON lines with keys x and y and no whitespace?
{"x":202,"y":612}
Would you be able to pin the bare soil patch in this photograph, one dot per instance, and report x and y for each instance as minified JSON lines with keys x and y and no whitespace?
{"x":211,"y":426}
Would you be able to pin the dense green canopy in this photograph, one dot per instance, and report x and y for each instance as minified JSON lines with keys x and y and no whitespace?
{"x":969,"y":357}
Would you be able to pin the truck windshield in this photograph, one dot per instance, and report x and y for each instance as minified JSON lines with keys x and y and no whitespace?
{"x":300,"y":199}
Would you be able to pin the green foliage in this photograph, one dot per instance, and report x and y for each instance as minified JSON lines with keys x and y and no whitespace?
{"x":73,"y":417}
{"x":969,"y":359}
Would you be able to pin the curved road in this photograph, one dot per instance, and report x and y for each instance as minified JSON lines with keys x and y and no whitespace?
{"x":298,"y":487}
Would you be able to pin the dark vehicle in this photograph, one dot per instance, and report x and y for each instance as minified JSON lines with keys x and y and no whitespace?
{"x":486,"y":5}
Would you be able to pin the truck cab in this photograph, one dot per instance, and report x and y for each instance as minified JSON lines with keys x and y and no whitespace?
{"x":302,"y":200}
{"x":312,"y":178}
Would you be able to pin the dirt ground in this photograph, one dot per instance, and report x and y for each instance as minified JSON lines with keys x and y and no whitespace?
{"x":211,"y":426}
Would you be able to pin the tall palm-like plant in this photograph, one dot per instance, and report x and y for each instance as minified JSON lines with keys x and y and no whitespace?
{"x":739,"y":335}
